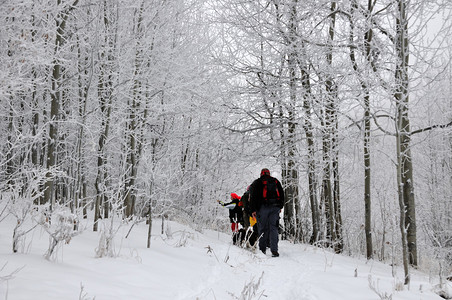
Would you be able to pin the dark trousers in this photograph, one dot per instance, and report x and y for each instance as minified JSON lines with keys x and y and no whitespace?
{"x":267,"y":223}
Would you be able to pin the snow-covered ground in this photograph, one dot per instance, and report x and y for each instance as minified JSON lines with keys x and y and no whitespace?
{"x":191,"y":265}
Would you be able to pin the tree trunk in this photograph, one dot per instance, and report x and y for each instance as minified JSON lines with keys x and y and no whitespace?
{"x":83,"y":88}
{"x":149,"y":220}
{"x":367,"y":159}
{"x":311,"y":172}
{"x":292,"y":204}
{"x":401,"y":96}
{"x":326,"y":195}
{"x":55,"y":96}
{"x":309,"y":132}
{"x":339,"y":243}
{"x":330,"y":150}
{"x":9,"y":143}
{"x":403,"y":211}
{"x":367,"y":125}
{"x":105,"y":91}
{"x":133,"y":127}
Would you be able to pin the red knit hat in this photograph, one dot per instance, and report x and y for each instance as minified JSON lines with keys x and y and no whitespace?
{"x":235,"y":196}
{"x":265,"y":171}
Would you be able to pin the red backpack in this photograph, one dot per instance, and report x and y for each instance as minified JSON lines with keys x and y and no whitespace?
{"x":270,"y":190}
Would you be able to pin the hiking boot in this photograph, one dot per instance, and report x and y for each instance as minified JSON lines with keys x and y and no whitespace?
{"x":263,"y":250}
{"x":275,"y":254}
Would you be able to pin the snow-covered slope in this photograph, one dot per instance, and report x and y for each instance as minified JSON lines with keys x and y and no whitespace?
{"x":191,"y":265}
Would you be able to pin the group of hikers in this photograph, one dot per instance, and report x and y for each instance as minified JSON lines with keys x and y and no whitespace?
{"x":257,"y":211}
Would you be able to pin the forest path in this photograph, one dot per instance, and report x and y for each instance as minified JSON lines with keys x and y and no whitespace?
{"x":301,"y":272}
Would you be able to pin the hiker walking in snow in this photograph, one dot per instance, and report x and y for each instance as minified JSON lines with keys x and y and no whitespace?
{"x":247,"y":218}
{"x":250,"y":228}
{"x":266,"y":202}
{"x":235,"y":211}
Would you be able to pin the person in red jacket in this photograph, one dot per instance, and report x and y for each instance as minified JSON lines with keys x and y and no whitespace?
{"x":235,"y":211}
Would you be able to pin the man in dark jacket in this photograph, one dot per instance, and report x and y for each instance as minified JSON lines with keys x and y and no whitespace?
{"x":251,"y":232}
{"x":246,"y":208}
{"x":266,"y":202}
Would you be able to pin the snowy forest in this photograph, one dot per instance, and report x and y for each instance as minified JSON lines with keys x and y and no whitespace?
{"x":155,"y":110}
